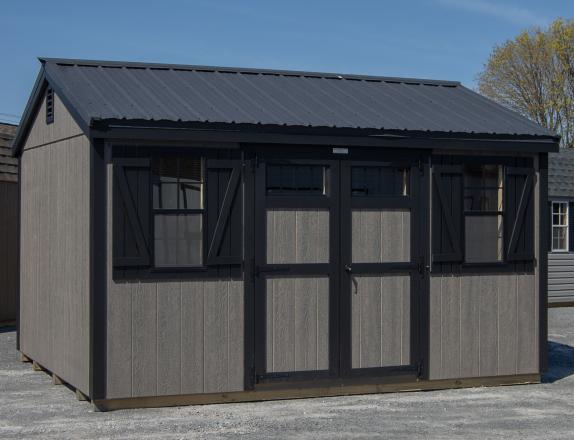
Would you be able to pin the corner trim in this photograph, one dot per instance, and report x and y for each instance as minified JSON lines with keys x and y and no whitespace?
{"x":98,"y":269}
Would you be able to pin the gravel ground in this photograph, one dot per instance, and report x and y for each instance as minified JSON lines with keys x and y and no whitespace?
{"x":31,"y":407}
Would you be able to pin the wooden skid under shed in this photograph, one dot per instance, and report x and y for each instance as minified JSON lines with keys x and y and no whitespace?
{"x":302,"y":393}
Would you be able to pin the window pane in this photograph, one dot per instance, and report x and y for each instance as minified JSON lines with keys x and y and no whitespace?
{"x":190,"y":169}
{"x":164,"y":169}
{"x":559,"y":238}
{"x":178,"y":240}
{"x":164,"y":195}
{"x":296,"y":179}
{"x":483,"y":185}
{"x":482,"y":200}
{"x":190,"y":196}
{"x":483,"y":238}
{"x":379,"y":181}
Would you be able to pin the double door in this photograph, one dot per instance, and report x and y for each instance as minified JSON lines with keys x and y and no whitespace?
{"x":339,"y":261}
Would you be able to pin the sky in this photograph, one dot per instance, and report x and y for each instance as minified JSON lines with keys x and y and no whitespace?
{"x":438,"y":39}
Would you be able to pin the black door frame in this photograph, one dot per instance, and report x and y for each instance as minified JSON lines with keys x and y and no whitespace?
{"x":339,"y":323}
{"x":415,"y":267}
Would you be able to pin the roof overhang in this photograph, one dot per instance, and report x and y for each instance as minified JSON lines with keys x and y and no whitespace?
{"x":119,"y":130}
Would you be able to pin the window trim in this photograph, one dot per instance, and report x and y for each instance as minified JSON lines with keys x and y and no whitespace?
{"x":566,"y":226}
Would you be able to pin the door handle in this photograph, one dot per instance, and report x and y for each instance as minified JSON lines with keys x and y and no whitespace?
{"x":349,"y":270}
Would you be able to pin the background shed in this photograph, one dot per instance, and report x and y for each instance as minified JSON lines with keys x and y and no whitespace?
{"x":8,"y":226}
{"x":561,"y":206}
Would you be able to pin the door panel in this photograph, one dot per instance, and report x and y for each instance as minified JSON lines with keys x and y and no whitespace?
{"x":381,"y":236}
{"x":297,"y":236}
{"x":297,"y":324}
{"x":381,"y":321}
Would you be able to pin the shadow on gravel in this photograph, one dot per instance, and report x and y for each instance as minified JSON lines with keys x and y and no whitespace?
{"x":560,"y":362}
{"x":8,"y":328}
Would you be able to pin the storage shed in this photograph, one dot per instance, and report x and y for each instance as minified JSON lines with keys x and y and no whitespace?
{"x":197,"y":234}
{"x":8,"y":227}
{"x":561,"y":206}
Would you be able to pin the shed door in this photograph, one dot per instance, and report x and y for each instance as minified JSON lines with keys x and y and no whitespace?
{"x":382,"y":266}
{"x":296,"y":276}
{"x":337,"y":257}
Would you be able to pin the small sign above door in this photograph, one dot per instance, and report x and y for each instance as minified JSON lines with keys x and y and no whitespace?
{"x":340,"y":150}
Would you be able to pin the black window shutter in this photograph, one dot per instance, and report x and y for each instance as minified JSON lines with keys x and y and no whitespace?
{"x":519,"y":214}
{"x":570,"y":227}
{"x":447,"y":213}
{"x":224,"y":212}
{"x":131,"y":212}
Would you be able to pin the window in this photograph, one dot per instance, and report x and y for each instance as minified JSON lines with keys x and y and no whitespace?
{"x":296,"y":180}
{"x":178,"y":211}
{"x":379,"y":181}
{"x":483,"y":213}
{"x":560,"y":226}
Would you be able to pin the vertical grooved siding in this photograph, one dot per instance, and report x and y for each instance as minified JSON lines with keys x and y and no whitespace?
{"x":172,"y":337}
{"x":381,"y":321}
{"x":483,"y":325}
{"x":55,"y":271}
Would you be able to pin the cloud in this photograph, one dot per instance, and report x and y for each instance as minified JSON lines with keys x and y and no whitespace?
{"x":511,"y":14}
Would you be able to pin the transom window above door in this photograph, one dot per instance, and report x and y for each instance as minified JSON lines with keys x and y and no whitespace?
{"x":379,"y":181}
{"x":300,"y":180}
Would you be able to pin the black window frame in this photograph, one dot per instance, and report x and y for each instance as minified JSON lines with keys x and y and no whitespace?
{"x":500,"y":212}
{"x":447,"y":160}
{"x":221,"y":266}
{"x":176,"y":211}
{"x":566,"y":226}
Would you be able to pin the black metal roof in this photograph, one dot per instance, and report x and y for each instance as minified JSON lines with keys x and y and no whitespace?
{"x":100,"y":90}
{"x":561,"y":173}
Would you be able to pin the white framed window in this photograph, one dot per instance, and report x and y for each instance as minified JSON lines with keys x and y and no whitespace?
{"x":560,"y":226}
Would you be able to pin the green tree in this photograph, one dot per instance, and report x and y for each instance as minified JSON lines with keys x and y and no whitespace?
{"x":534,"y":75}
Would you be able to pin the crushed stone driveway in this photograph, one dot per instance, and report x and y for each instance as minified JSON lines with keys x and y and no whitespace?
{"x":31,"y":407}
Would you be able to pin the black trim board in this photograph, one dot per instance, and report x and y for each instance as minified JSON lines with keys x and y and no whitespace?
{"x":247,"y":133}
{"x":33,"y":105}
{"x":543,"y":231}
{"x":99,"y":157}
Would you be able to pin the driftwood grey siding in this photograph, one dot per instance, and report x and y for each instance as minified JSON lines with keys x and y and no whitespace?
{"x":380,"y":321}
{"x":297,"y":324}
{"x":54,"y":277}
{"x":63,"y":127}
{"x":297,"y":236}
{"x":561,"y":277}
{"x":381,"y":236}
{"x":172,"y":337}
{"x":483,"y":325}
{"x":8,"y":250}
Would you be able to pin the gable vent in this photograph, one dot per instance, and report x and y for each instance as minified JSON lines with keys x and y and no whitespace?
{"x":49,"y":105}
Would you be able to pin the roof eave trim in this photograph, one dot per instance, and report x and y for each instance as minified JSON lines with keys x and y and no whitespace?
{"x":129,"y":130}
{"x":27,"y":117}
{"x":34,"y":101}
